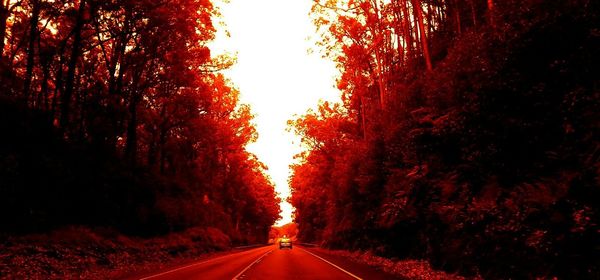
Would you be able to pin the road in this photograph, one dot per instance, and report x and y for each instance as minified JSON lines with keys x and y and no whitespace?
{"x":272,"y":263}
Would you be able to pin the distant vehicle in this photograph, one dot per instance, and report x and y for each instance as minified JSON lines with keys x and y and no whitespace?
{"x":285,"y":242}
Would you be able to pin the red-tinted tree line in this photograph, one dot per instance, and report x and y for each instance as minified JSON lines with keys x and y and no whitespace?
{"x":468,"y":135}
{"x":134,"y":82}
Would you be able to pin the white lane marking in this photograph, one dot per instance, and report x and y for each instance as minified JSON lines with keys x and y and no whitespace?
{"x":249,"y":266}
{"x":188,"y":266}
{"x":355,"y":277}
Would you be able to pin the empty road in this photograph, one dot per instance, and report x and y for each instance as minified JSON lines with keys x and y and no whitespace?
{"x":272,"y":263}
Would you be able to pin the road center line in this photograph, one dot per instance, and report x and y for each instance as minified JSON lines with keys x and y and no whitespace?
{"x":188,"y":266}
{"x":253,"y":263}
{"x":355,"y":277}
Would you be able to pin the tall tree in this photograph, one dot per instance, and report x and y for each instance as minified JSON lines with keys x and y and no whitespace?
{"x":72,"y":65}
{"x":491,"y":11}
{"x":33,"y":34}
{"x":418,"y":15}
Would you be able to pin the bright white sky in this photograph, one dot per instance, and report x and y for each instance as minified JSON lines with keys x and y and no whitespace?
{"x":276,"y":75}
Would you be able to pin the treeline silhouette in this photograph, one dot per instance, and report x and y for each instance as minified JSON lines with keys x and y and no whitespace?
{"x":113,"y":114}
{"x":468,"y":136}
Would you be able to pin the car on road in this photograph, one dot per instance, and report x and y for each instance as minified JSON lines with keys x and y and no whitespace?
{"x":285,"y":242}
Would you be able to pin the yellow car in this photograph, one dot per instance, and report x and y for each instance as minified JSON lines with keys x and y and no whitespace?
{"x":285,"y":242}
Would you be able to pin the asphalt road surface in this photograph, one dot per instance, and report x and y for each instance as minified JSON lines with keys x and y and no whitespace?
{"x":272,"y":263}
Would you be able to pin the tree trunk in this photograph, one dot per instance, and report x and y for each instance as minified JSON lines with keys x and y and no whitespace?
{"x":58,"y":81}
{"x":362,"y":117}
{"x":456,"y":12}
{"x":422,"y":34}
{"x":115,"y":81}
{"x":440,"y":14}
{"x":33,"y":33}
{"x":45,"y":61}
{"x":379,"y":53}
{"x":45,"y":77}
{"x":473,"y":13}
{"x":117,"y":57}
{"x":490,"y":4}
{"x":5,"y":10}
{"x":131,"y":147}
{"x":407,"y":32}
{"x":430,"y":24}
{"x":69,"y":81}
{"x":162,"y":141}
{"x":399,"y":31}
{"x":152,"y":150}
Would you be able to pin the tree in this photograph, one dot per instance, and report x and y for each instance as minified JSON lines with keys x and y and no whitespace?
{"x":72,"y":65}
{"x":418,"y":15}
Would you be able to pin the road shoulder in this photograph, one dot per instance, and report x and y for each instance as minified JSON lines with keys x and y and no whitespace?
{"x":152,"y":269}
{"x":359,"y":269}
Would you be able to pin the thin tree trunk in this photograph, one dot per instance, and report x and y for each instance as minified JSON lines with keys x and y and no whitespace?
{"x":33,"y":31}
{"x":457,"y":18}
{"x":117,"y":58}
{"x":45,"y":58}
{"x":441,"y":11}
{"x":58,"y":84}
{"x":362,"y":116}
{"x":45,"y":77}
{"x":440,"y":14}
{"x":399,"y":30}
{"x":430,"y":25}
{"x":419,"y":17}
{"x":69,"y":81}
{"x":131,"y":148}
{"x":131,"y":144}
{"x":115,"y":82}
{"x":407,"y":32}
{"x":490,"y":4}
{"x":379,"y":52}
{"x":81,"y":100}
{"x":152,"y":150}
{"x":473,"y":13}
{"x":4,"y":12}
{"x":162,"y":141}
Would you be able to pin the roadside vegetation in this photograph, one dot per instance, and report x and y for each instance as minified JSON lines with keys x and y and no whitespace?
{"x":468,"y":137}
{"x":116,"y":125}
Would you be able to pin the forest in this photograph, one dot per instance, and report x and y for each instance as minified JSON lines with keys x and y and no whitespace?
{"x":468,"y":136}
{"x":114,"y":114}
